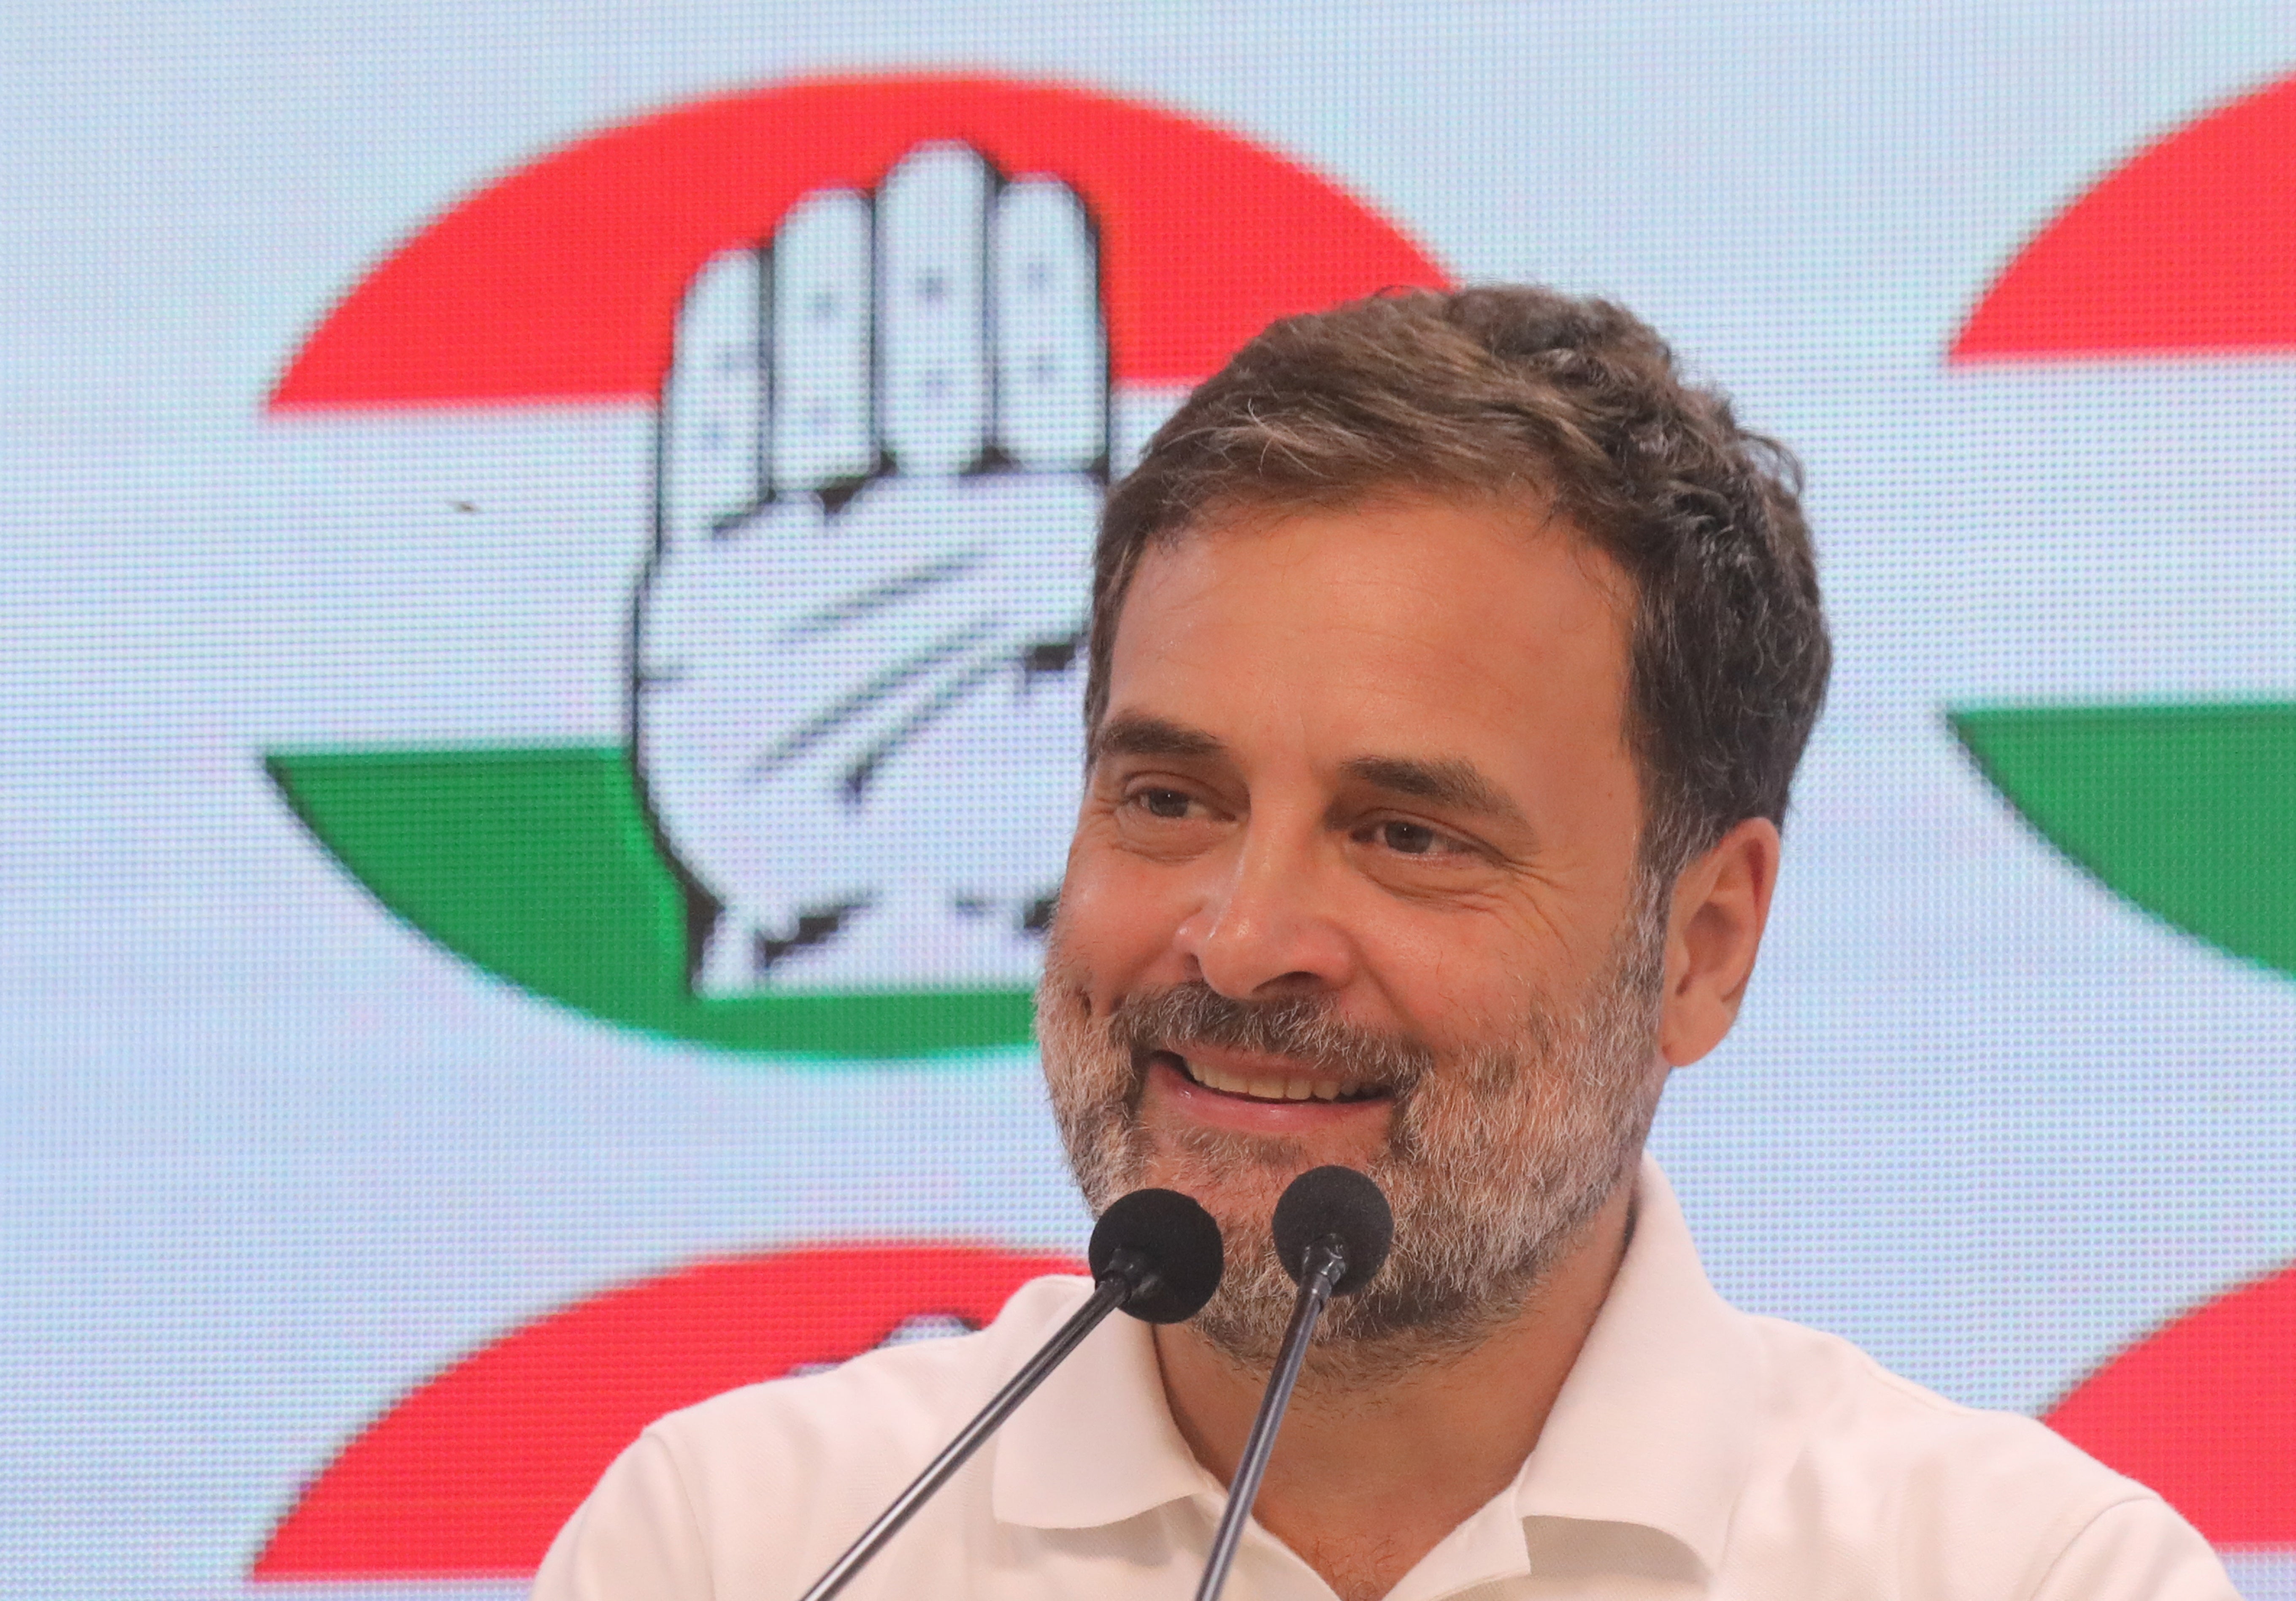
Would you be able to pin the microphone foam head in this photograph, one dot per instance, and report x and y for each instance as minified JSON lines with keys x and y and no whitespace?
{"x":1340,"y":1203}
{"x":1174,"y":1235}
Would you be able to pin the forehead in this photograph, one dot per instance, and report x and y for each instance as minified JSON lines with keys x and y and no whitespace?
{"x":1398,"y":624}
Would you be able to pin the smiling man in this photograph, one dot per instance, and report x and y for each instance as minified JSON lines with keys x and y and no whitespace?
{"x":1451,"y":658}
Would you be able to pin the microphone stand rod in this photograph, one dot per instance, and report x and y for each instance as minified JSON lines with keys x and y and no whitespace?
{"x":1126,"y":1276}
{"x":1326,"y":1264}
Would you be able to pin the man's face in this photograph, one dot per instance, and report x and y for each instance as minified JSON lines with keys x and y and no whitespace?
{"x":1355,"y":881}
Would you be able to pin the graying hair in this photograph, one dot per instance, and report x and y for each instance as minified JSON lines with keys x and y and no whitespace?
{"x":1567,"y":408}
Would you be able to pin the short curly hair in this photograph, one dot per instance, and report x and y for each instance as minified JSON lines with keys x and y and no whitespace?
{"x":1577,"y":409}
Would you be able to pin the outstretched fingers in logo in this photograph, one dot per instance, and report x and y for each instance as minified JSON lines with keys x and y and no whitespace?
{"x":858,"y":672}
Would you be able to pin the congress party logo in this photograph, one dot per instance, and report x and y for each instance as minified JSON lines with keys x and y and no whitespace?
{"x":2185,"y":252}
{"x":900,"y":332}
{"x":2204,"y":1411}
{"x":469,"y":1476}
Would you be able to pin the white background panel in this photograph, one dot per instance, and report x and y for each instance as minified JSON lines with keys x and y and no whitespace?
{"x":268,"y":1158}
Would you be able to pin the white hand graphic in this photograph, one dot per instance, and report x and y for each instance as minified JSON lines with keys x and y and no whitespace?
{"x":857,"y":667}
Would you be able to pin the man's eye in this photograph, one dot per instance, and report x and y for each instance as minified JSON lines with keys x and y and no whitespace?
{"x":1162,"y":803}
{"x":1409,"y":839}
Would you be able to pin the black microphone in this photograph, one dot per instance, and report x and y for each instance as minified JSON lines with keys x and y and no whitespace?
{"x":1333,"y":1228}
{"x":1156,"y":1253}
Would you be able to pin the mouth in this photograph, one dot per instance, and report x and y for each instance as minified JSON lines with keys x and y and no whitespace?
{"x":1267,"y":1081}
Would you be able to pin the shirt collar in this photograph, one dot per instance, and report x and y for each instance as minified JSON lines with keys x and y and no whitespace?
{"x":1097,"y":1443}
{"x":1653,"y":1427}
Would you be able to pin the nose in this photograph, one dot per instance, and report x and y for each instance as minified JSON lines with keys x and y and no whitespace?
{"x":1270,"y":930}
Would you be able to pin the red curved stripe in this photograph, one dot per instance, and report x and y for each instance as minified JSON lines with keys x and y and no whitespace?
{"x":472,"y":1475}
{"x":2204,"y":1411}
{"x":562,"y":281}
{"x":2188,"y":248}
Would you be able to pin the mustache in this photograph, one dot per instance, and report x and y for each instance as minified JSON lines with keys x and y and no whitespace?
{"x":1306,"y":1029}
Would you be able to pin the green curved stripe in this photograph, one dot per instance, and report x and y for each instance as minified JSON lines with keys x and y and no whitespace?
{"x":2189,"y":811}
{"x":537,"y":865}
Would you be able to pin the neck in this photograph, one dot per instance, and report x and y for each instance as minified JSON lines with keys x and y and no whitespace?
{"x":1371,"y":1471}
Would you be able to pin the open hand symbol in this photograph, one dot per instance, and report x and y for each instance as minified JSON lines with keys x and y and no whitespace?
{"x":858,"y":659}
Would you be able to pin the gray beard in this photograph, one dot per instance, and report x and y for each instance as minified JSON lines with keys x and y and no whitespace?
{"x":1497,"y":1159}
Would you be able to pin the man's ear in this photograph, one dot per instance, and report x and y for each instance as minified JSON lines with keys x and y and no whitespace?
{"x":1721,"y":902}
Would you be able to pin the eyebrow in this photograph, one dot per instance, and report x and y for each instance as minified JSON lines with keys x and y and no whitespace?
{"x":1136,"y":734}
{"x":1450,"y":782}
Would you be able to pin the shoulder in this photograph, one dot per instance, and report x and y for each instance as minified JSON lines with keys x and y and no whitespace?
{"x":878,"y":1418}
{"x":780,"y":1475}
{"x":1956,"y":1500}
{"x":1842,"y":1406}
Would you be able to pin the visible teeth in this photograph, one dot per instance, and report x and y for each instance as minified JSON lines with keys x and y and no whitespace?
{"x":1285,"y":1087}
{"x":1212,"y":1078}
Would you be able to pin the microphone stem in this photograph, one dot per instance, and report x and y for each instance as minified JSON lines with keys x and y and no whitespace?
{"x":1326,"y":1264}
{"x":1126,"y":1277}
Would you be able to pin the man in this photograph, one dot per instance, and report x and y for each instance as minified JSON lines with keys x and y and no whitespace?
{"x":1450,"y":660}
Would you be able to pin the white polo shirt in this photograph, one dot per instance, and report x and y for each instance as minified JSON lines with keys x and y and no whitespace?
{"x":1696,"y":1450}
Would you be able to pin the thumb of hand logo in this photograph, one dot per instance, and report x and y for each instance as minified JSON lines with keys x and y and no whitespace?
{"x":856,"y":671}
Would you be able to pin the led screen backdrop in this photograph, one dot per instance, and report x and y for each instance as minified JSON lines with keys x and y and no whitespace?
{"x":543,"y":596}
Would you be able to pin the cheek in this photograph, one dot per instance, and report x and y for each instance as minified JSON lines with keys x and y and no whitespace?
{"x":1454,"y":979}
{"x":1117,"y":919}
